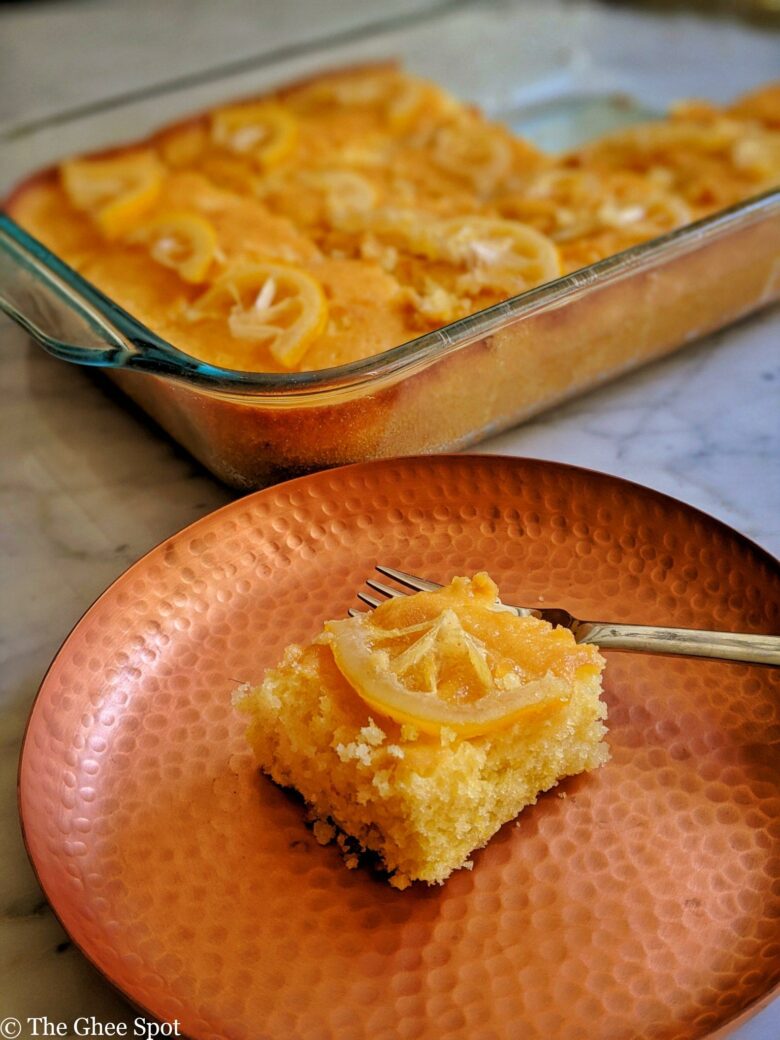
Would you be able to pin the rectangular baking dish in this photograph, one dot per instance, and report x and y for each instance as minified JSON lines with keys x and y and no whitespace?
{"x":558,"y":72}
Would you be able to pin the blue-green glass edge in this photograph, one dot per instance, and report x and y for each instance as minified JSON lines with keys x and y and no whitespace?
{"x":156,"y":356}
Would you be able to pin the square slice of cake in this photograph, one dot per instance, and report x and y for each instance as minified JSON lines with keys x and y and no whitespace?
{"x":422,"y":727}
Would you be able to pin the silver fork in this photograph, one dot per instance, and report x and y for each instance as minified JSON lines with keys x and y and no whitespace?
{"x":650,"y":639}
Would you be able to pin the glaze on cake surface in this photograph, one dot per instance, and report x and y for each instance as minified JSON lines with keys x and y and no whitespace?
{"x":420,"y":729}
{"x":338,"y":218}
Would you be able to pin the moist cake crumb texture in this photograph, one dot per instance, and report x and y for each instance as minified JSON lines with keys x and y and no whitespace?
{"x":507,"y":707}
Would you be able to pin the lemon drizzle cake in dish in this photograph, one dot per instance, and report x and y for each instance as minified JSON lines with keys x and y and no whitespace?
{"x":417,"y":731}
{"x":343,"y":216}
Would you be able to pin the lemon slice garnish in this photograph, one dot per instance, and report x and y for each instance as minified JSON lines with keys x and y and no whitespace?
{"x":462,"y":662}
{"x":757,"y":154}
{"x":230,"y":172}
{"x":392,"y":96}
{"x":644,"y":217}
{"x":346,"y":193}
{"x":496,"y":254}
{"x":569,"y":204}
{"x":116,"y":192}
{"x":183,"y":145}
{"x":263,"y":131}
{"x":405,"y":103}
{"x":183,"y":241}
{"x":473,"y":152}
{"x":761,"y":105}
{"x":272,"y":305}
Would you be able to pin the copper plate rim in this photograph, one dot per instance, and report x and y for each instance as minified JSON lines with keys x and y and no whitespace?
{"x":721,"y":1032}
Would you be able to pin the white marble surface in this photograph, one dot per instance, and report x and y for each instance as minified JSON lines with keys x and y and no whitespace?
{"x":87,"y":485}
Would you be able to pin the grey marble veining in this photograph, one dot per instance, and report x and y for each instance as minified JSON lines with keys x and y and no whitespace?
{"x":702,"y":425}
{"x":86,"y":487}
{"x":88,"y":484}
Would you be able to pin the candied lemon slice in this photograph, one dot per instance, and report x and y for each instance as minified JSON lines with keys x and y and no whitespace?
{"x":457,"y":659}
{"x":183,"y":241}
{"x":116,"y":192}
{"x":569,"y":187}
{"x":499,"y":254}
{"x":556,"y":200}
{"x":403,"y":225}
{"x":645,"y":217}
{"x":396,"y":97}
{"x":183,"y":145}
{"x":758,"y":155}
{"x":264,"y":131}
{"x":761,"y":105}
{"x":230,"y":172}
{"x":273,"y":305}
{"x":345,"y":191}
{"x":569,"y":204}
{"x":407,"y":100}
{"x":474,"y":152}
{"x":355,"y":89}
{"x":669,"y":142}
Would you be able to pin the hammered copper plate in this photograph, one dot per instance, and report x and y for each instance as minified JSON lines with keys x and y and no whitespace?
{"x":637,"y":902}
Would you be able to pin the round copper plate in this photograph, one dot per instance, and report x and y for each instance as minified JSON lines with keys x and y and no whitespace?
{"x":640,"y":901}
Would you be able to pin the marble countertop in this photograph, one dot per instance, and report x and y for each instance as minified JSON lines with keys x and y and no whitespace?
{"x":87,"y":484}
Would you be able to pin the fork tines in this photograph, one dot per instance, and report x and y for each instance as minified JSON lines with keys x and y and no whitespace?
{"x":409,"y":581}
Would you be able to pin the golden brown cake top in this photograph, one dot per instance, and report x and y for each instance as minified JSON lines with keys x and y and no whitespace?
{"x":348,"y":214}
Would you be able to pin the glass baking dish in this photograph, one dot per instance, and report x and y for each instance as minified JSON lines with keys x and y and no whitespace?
{"x":455,"y":386}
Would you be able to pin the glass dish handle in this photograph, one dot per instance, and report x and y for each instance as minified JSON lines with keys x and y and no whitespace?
{"x":75,"y":322}
{"x":36,"y":291}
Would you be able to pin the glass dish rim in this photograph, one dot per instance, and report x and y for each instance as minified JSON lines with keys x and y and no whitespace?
{"x":395,"y":362}
{"x":150,"y":354}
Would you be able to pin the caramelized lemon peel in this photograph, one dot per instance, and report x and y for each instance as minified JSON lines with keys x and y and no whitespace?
{"x":183,"y":241}
{"x":474,"y":152}
{"x":393,"y":96}
{"x":502,"y":254}
{"x":116,"y":192}
{"x":264,"y":130}
{"x":448,"y":669}
{"x":371,"y":168}
{"x":277,"y":306}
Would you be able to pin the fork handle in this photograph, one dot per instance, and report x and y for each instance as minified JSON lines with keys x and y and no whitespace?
{"x":688,"y":642}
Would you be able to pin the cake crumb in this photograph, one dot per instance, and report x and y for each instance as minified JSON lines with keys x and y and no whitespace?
{"x":400,"y":881}
{"x":354,"y":752}
{"x":469,"y":864}
{"x":240,"y":692}
{"x":350,"y":850}
{"x":372,"y":734}
{"x":323,"y":832}
{"x":395,"y":751}
{"x":562,"y":794}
